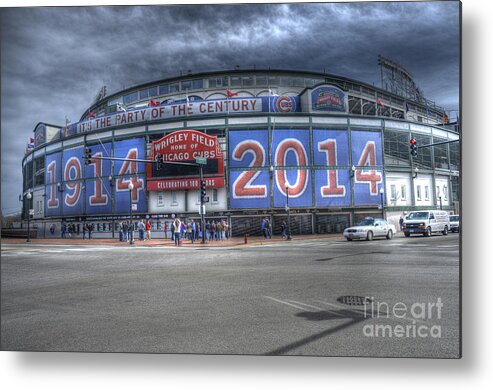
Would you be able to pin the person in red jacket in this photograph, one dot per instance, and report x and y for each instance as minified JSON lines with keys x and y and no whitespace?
{"x":148,"y":230}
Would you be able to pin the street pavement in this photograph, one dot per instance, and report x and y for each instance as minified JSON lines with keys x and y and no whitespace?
{"x":268,"y":297}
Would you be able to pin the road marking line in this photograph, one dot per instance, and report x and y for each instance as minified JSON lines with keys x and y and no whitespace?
{"x":318,"y":308}
{"x":340,"y":307}
{"x":285,"y":303}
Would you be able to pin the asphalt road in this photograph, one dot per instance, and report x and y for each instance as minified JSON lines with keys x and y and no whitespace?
{"x":274,"y":299}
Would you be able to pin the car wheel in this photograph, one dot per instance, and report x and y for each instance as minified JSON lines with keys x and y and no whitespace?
{"x":349,"y":239}
{"x":407,"y":234}
{"x":445,"y":231}
{"x":390,"y":234}
{"x":369,"y":236}
{"x":427,"y":233}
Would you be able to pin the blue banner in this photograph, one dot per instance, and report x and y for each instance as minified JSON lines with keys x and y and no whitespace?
{"x":72,"y":174}
{"x":283,"y":104}
{"x":98,"y":196}
{"x":53,"y":176}
{"x":290,"y":148}
{"x":123,"y":195}
{"x":129,"y":149}
{"x":367,"y":158}
{"x":249,"y":188}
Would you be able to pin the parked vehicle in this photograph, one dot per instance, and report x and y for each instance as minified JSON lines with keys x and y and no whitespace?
{"x":369,"y":228}
{"x":455,"y":223}
{"x":426,"y":223}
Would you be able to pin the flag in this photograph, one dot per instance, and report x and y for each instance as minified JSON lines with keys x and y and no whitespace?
{"x":91,"y":115}
{"x":407,"y":107}
{"x":445,"y":118}
{"x":379,"y":102}
{"x":31,"y":142}
{"x":152,"y":103}
{"x":120,"y":107}
{"x":230,"y":94}
{"x":271,"y":93}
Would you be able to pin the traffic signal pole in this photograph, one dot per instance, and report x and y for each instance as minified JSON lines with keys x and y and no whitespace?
{"x":202,"y":213}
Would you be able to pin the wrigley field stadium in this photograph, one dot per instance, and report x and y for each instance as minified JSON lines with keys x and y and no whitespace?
{"x":332,"y":149}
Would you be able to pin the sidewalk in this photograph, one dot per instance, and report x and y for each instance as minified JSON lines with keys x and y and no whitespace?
{"x":233,"y":241}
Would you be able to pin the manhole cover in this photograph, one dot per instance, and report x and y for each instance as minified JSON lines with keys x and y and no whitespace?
{"x":353,"y":300}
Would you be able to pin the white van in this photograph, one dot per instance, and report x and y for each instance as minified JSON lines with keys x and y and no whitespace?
{"x":426,"y":222}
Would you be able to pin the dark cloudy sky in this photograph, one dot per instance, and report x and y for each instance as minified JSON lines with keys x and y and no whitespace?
{"x":54,"y":60}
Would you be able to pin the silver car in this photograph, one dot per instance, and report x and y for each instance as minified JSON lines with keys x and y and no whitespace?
{"x":369,"y":228}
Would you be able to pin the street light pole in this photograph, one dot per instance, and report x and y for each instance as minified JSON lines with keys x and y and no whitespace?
{"x":130,"y":188}
{"x":381,"y":199}
{"x":28,"y":196}
{"x":440,"y":198}
{"x":289,"y":216}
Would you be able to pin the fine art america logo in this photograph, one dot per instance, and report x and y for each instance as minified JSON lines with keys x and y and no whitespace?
{"x":398,"y":320}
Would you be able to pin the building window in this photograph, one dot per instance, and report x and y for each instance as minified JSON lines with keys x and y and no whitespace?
{"x":143,"y":94}
{"x":403,"y":192}
{"x":160,"y":199}
{"x":393,"y":192}
{"x":197,"y":84}
{"x":214,"y":195}
{"x":418,"y":192}
{"x":175,"y":87}
{"x":427,"y":193}
{"x":174,"y":202}
{"x":164,"y":89}
{"x":153,"y":91}
{"x":130,"y":98}
{"x":235,"y":81}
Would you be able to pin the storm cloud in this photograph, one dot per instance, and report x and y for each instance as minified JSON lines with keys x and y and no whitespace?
{"x":55,"y":59}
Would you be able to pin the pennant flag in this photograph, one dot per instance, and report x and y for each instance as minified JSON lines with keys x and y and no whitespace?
{"x":152,"y":103}
{"x":379,"y":102}
{"x":445,"y":118}
{"x":91,"y":115}
{"x":230,"y":94}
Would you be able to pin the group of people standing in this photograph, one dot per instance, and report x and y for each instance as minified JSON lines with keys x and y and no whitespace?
{"x":126,"y":231}
{"x":67,"y":230}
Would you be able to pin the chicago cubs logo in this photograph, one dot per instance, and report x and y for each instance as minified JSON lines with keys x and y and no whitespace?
{"x":285,"y":104}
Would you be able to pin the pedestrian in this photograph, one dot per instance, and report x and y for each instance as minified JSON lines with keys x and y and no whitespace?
{"x":193,"y":227}
{"x":120,"y":231}
{"x":401,"y":222}
{"x":63,"y":229}
{"x":219,"y":230}
{"x":269,"y":228}
{"x":172,"y":231}
{"x":283,"y":229}
{"x":141,"y":228}
{"x":125,"y":231}
{"x":90,"y":228}
{"x":84,"y":230}
{"x":166,"y":227}
{"x":131,"y":229}
{"x":189,"y":230}
{"x":69,"y":230}
{"x":148,"y":229}
{"x":264,"y":227}
{"x":177,"y":225}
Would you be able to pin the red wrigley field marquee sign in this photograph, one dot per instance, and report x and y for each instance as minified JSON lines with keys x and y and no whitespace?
{"x":185,"y":146}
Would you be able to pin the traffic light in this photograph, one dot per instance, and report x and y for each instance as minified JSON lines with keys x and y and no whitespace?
{"x":202,"y":190}
{"x":159,"y":161}
{"x":88,"y":156}
{"x":413,"y":147}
